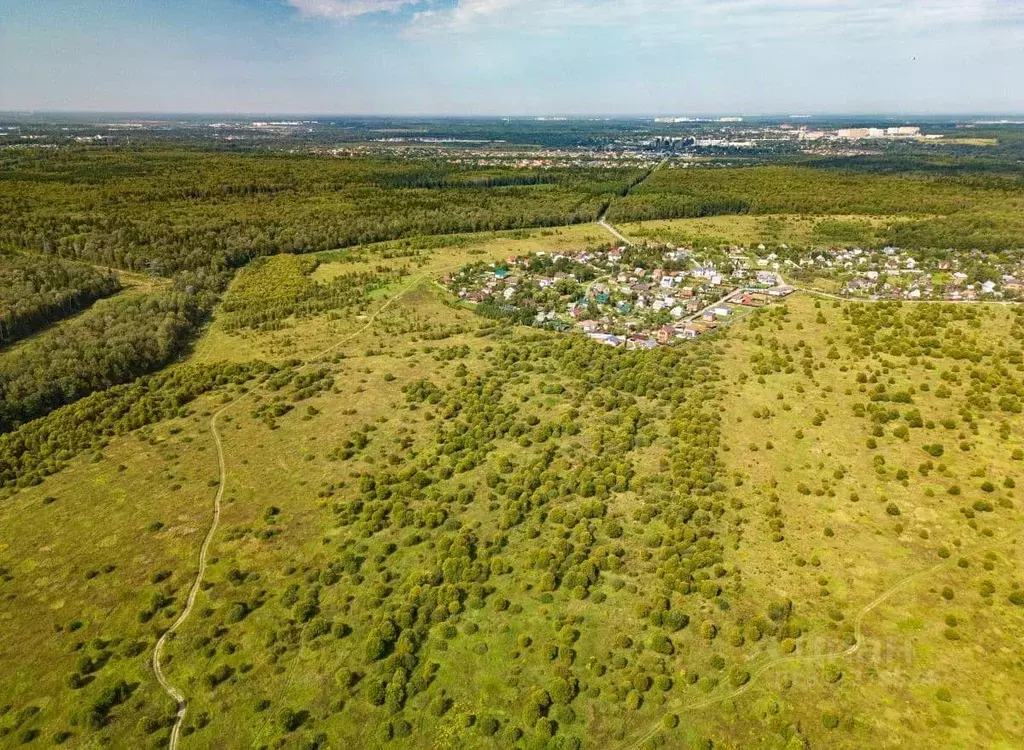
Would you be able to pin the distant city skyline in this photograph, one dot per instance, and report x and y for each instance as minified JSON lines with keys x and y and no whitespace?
{"x":514,"y":57}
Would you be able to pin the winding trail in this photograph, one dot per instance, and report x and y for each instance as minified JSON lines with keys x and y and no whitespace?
{"x":177,"y":695}
{"x":858,"y":636}
{"x":858,"y":633}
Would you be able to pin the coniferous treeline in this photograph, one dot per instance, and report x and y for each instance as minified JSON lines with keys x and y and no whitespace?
{"x":441,"y":177}
{"x":930,"y":211}
{"x":109,"y":344}
{"x":167,"y":211}
{"x":36,"y":291}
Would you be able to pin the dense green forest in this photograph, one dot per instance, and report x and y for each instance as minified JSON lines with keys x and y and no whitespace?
{"x":164,"y":211}
{"x":109,"y":344}
{"x":971,"y":211}
{"x":36,"y":291}
{"x":269,"y":290}
{"x":179,"y":212}
{"x":175,"y":211}
{"x":43,"y":446}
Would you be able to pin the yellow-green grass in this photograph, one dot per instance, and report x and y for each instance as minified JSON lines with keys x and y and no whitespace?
{"x":443,"y":253}
{"x":58,"y":540}
{"x":130,"y":290}
{"x":970,"y":141}
{"x":883,"y":698}
{"x":303,"y":337}
{"x":887,"y":694}
{"x":286,"y":468}
{"x":796,"y":230}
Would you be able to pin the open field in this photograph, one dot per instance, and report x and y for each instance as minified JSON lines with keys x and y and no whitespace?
{"x":502,"y":535}
{"x":860,"y":506}
{"x":299,"y":336}
{"x":972,"y":141}
{"x":439,"y":529}
{"x":795,"y":230}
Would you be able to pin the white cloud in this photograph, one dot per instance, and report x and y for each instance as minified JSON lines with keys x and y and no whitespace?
{"x":714,"y":24}
{"x":343,"y":10}
{"x":746,"y":20}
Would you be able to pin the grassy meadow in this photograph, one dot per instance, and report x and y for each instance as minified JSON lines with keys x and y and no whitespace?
{"x":445,"y":532}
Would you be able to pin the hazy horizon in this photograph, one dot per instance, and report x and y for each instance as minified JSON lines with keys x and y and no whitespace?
{"x":579,"y":58}
{"x":538,"y":116}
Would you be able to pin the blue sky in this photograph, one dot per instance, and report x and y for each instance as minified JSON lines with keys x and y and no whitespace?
{"x":514,"y":56}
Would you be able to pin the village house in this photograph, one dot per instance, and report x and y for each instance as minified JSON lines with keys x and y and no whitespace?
{"x":754,"y":299}
{"x":641,"y":342}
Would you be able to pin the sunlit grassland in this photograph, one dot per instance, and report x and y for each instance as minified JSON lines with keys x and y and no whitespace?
{"x":83,"y":549}
{"x":448,"y":252}
{"x":842,"y":546}
{"x":290,"y":478}
{"x":130,"y":290}
{"x":795,"y":230}
{"x":302,"y":337}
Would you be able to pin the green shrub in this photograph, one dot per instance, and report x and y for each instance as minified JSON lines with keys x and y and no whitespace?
{"x":738,"y":677}
{"x":661,"y":644}
{"x":289,"y":720}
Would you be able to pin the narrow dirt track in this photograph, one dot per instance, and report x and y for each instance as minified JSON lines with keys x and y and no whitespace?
{"x":858,"y":635}
{"x":176,"y":695}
